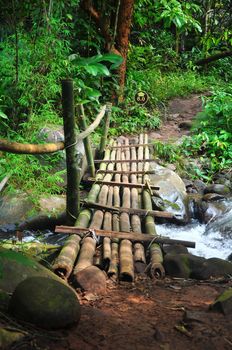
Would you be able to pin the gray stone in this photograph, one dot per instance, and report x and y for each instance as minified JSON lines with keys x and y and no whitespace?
{"x":217,"y":188}
{"x":172,"y":190}
{"x":221,"y":224}
{"x":45,"y":302}
{"x":15,"y":208}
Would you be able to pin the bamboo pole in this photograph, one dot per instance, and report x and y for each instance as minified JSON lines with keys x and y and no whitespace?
{"x":106,"y":129}
{"x":96,"y":223}
{"x":27,"y":148}
{"x":72,"y":201}
{"x":125,"y":250}
{"x":113,"y":268}
{"x":139,"y":252}
{"x":156,"y":255}
{"x":64,"y":263}
{"x":88,"y":150}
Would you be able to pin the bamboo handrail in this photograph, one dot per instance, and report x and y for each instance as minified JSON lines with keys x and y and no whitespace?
{"x":27,"y":148}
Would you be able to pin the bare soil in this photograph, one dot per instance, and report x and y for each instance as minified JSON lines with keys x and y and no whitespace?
{"x":178,"y":118}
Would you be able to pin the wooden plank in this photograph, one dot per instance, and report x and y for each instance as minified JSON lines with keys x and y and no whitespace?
{"x":124,"y":161}
{"x":130,"y":146}
{"x":142,"y":212}
{"x":125,"y":172}
{"x":123,"y":184}
{"x":123,"y":235}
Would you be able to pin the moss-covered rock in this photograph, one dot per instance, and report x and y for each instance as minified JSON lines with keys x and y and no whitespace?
{"x":192,"y":266}
{"x":8,"y":338}
{"x":45,"y":302}
{"x":182,"y":265}
{"x":223,"y":303}
{"x":16,"y":267}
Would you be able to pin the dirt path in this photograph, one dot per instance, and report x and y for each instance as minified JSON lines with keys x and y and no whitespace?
{"x":169,"y":314}
{"x":178,"y":118}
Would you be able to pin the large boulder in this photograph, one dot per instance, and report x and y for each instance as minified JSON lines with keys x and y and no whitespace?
{"x":15,"y":267}
{"x":15,"y":208}
{"x":45,"y":302}
{"x":172,"y":190}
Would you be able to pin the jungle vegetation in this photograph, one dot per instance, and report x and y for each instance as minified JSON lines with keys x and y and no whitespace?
{"x":112,"y":49}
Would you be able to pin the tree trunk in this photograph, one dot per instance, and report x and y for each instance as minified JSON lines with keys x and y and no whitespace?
{"x":122,"y":38}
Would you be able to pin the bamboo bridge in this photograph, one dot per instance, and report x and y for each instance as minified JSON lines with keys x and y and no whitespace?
{"x":114,"y":227}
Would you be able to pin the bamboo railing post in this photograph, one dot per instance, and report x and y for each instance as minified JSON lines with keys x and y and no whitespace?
{"x":88,"y":149}
{"x":105,"y":130}
{"x":71,"y":152}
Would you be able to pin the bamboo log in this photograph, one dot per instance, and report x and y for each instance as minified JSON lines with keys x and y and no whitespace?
{"x":63,"y":265}
{"x":113,"y":268}
{"x":125,"y":250}
{"x":144,"y":237}
{"x":72,"y":201}
{"x":26,"y":148}
{"x":126,"y":161}
{"x":126,"y":261}
{"x":106,"y":252}
{"x":106,"y":129}
{"x":125,"y":172}
{"x":88,"y":150}
{"x":86,"y":255}
{"x":156,"y":255}
{"x":139,"y":253}
{"x":132,"y":145}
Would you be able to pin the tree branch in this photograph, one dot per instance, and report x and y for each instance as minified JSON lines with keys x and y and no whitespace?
{"x":212,"y":58}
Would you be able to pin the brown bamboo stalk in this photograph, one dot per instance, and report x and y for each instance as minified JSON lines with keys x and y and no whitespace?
{"x":156,"y":255}
{"x":125,"y":251}
{"x":64,"y":263}
{"x":86,"y":255}
{"x":126,"y":261}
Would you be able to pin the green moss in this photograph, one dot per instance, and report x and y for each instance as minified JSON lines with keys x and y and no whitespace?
{"x":224,"y":296}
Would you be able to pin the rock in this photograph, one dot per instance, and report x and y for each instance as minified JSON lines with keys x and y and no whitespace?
{"x":18,"y":207}
{"x":185,"y":125}
{"x":175,"y":249}
{"x":4,"y":300}
{"x":209,"y":197}
{"x":172,"y":190}
{"x":200,"y":186}
{"x":15,"y":267}
{"x":214,"y":267}
{"x":217,"y":188}
{"x":223,"y":303}
{"x":15,"y":208}
{"x":45,"y":302}
{"x":53,"y":204}
{"x":53,"y":133}
{"x":91,"y":279}
{"x":206,"y":211}
{"x":182,"y":265}
{"x":9,"y":337}
{"x":221,"y":224}
{"x":192,"y":266}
